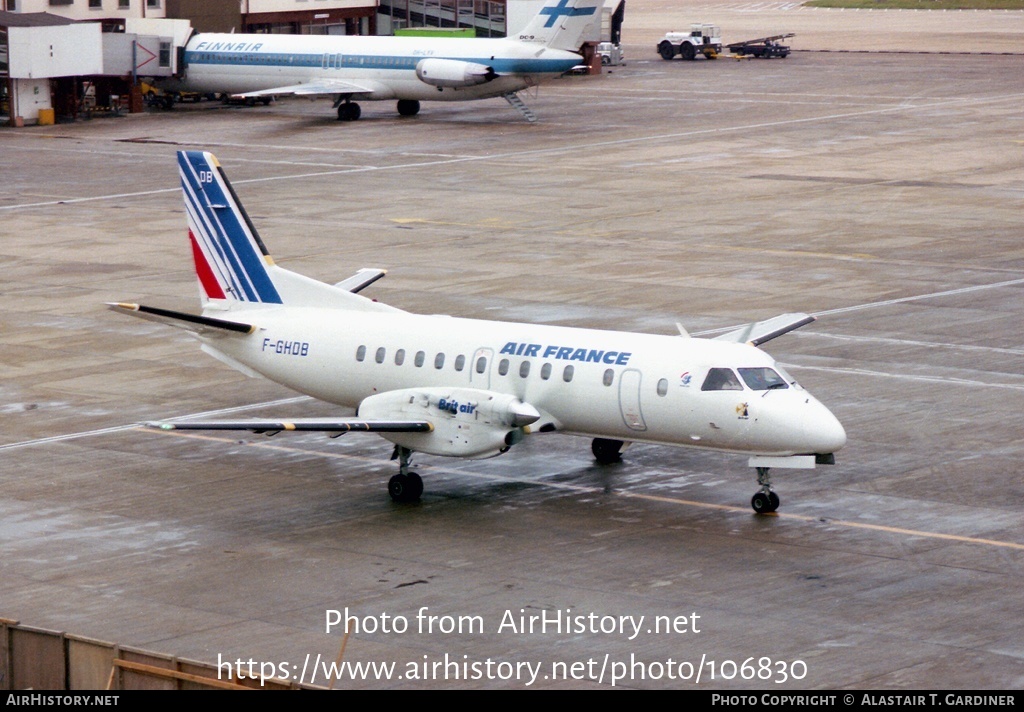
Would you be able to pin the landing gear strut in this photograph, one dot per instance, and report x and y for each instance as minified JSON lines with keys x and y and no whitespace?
{"x":406,"y":486}
{"x":765,"y":501}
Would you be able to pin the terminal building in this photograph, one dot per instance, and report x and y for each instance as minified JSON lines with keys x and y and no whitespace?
{"x":63,"y":60}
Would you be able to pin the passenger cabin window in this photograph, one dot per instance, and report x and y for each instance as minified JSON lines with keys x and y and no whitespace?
{"x":662,"y":386}
{"x":361,"y":353}
{"x":721,"y":379}
{"x":381,"y":353}
{"x":545,"y":371}
{"x":524,"y":369}
{"x":481,"y":364}
{"x":762,"y":379}
{"x":439,"y":362}
{"x":503,"y":367}
{"x":399,"y":357}
{"x":568,"y":373}
{"x":420,"y":356}
{"x":460,"y":362}
{"x":609,"y":376}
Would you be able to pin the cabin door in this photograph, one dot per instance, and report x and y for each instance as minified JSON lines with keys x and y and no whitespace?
{"x":629,"y":399}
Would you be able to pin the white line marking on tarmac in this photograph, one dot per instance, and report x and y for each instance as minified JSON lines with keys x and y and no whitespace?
{"x":575,"y":148}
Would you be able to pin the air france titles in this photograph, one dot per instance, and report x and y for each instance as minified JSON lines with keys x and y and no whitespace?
{"x":566,"y":353}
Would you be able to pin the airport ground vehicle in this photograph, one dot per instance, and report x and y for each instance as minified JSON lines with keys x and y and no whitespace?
{"x":154,"y":96}
{"x":766,"y":47}
{"x":702,"y":39}
{"x":611,"y":54}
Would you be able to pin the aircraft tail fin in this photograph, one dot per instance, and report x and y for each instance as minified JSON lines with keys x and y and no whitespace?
{"x":230,"y":258}
{"x":563,"y":24}
{"x":232,"y":264}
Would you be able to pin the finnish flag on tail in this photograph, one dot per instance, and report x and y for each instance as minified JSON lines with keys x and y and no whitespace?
{"x":231,"y":260}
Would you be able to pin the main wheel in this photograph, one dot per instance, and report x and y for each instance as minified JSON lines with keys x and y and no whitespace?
{"x":666,"y":50}
{"x":405,"y":488}
{"x":415,"y":488}
{"x":348,"y":111}
{"x":606,"y":451}
{"x":408,"y":107}
{"x":687,"y":51}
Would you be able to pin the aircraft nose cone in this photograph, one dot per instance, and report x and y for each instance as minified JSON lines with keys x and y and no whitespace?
{"x":824,"y":432}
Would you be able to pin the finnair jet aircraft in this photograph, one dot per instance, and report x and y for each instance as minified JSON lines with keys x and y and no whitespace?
{"x":469,"y":388}
{"x":406,"y":69}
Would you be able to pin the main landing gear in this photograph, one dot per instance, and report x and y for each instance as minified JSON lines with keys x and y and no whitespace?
{"x":607,"y":451}
{"x":765,"y":501}
{"x":349,"y":111}
{"x":405,"y":486}
{"x":408,"y":107}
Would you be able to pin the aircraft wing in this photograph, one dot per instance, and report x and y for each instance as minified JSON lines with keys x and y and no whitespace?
{"x":190,"y":322}
{"x":763,"y":331}
{"x":316,"y":88}
{"x":323,"y":425}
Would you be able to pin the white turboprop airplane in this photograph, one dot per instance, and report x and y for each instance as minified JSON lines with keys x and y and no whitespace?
{"x":406,"y":69}
{"x":469,"y":388}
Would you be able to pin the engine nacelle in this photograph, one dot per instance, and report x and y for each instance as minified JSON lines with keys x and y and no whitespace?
{"x":467,"y":422}
{"x":453,"y":73}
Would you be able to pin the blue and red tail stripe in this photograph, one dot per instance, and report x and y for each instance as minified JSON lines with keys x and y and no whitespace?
{"x":207,"y":279}
{"x":231,"y":261}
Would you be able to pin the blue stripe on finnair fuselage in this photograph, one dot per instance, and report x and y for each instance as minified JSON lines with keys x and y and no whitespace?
{"x":236,"y":245}
{"x":287,"y":60}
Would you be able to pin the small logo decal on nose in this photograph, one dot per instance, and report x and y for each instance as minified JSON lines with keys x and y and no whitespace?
{"x":741,"y":411}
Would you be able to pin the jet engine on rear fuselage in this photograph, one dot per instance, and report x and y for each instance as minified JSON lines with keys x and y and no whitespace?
{"x":467,"y":422}
{"x":453,"y":73}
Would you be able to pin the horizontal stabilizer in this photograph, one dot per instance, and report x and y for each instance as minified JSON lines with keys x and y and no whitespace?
{"x":324,"y":425}
{"x":189,"y":322}
{"x":361,"y":279}
{"x":761,"y":332}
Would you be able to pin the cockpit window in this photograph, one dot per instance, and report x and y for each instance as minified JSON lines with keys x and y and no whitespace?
{"x":762,"y":379}
{"x":721,"y":379}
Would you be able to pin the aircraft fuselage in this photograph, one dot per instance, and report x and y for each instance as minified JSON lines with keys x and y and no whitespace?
{"x":384,"y":66}
{"x":608,"y":384}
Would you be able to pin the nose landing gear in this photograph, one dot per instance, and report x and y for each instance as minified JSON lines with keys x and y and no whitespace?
{"x":765,"y":501}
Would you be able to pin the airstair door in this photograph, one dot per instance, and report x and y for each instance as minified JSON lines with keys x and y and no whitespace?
{"x":629,"y":399}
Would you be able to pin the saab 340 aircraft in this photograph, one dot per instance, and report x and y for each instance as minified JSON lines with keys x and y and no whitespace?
{"x":469,"y":388}
{"x":406,"y":69}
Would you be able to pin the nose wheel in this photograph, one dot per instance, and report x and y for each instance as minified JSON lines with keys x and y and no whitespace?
{"x":765,"y":501}
{"x":406,"y":486}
